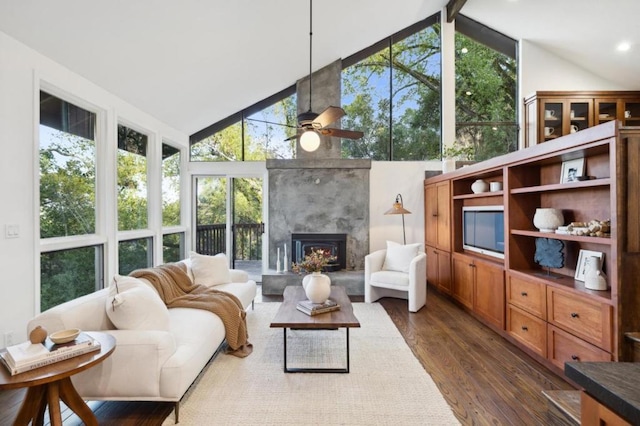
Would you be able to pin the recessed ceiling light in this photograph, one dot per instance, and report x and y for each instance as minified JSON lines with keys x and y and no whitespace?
{"x":623,"y":47}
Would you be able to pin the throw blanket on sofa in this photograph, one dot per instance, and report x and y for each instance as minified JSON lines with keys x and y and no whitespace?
{"x":176,"y":290}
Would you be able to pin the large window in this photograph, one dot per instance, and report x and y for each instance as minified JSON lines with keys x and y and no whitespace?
{"x":67,"y":169}
{"x":486,"y":100}
{"x":392,"y":94}
{"x":170,"y":185}
{"x":257,"y":133}
{"x":132,"y":179}
{"x":68,"y":274}
{"x":71,"y":264}
{"x":134,"y":254}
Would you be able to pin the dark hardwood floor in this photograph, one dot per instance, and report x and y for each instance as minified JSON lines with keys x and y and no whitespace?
{"x":485,"y":379}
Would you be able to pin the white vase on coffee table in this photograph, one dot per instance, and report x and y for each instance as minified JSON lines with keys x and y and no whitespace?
{"x":317,"y":287}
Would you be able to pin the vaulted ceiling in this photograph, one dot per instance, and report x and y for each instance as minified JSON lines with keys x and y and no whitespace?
{"x":193,"y":62}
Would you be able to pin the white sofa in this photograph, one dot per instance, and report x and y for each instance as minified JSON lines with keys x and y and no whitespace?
{"x":147,"y":365}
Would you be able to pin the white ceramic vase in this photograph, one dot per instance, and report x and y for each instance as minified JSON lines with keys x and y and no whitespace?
{"x":547,"y":219}
{"x":479,"y":186}
{"x":593,"y":276}
{"x":317,"y":287}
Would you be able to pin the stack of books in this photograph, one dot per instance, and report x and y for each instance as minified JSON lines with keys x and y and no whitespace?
{"x":28,"y":356}
{"x":311,"y":308}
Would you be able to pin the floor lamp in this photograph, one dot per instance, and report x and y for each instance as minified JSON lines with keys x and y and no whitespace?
{"x":398,"y":208}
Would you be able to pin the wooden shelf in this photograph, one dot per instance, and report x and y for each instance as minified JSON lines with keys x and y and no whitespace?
{"x":557,"y":301}
{"x":565,"y":237}
{"x":563,"y":186}
{"x":479,"y":195}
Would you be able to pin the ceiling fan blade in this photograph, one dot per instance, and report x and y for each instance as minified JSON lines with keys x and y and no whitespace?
{"x":329,"y":115}
{"x":296,"y":136}
{"x":341,"y":133}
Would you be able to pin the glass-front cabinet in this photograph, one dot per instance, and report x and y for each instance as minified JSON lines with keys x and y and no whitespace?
{"x":549,"y":115}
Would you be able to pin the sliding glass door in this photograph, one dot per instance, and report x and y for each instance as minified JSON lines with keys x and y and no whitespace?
{"x":218,"y":198}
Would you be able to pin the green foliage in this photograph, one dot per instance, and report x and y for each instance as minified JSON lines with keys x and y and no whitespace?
{"x":134,"y":254}
{"x":67,"y":184}
{"x":67,"y":274}
{"x":171,"y":190}
{"x":485,"y":116}
{"x":485,"y":93}
{"x":409,"y":106}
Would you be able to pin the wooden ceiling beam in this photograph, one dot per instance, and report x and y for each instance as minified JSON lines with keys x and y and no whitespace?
{"x":453,"y":8}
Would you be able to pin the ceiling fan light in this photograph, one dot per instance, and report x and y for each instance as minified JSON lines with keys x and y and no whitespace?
{"x":310,"y":140}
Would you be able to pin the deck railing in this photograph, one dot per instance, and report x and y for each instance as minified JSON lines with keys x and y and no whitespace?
{"x":211,"y":239}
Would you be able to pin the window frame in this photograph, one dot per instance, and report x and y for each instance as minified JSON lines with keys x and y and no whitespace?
{"x":61,"y":243}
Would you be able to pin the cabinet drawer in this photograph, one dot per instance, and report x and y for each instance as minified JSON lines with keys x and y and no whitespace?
{"x":528,"y":295}
{"x":564,"y":347}
{"x":581,"y":316}
{"x":527,"y":329}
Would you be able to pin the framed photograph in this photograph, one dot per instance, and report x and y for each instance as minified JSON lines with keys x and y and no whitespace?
{"x":571,"y":170}
{"x":583,"y":257}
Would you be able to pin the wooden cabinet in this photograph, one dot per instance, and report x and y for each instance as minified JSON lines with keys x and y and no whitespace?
{"x":463,"y":278}
{"x":565,"y":347}
{"x":545,"y":310}
{"x":592,"y":413}
{"x":527,"y":294}
{"x":583,"y":317}
{"x":439,"y":269}
{"x":437,"y":201}
{"x":528,"y":329}
{"x":479,"y":285}
{"x":550,"y":115}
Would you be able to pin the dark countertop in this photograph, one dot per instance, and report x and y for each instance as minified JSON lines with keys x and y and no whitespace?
{"x":614,"y":384}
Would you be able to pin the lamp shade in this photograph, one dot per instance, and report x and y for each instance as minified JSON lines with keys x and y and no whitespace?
{"x":310,"y":140}
{"x":397,"y":209}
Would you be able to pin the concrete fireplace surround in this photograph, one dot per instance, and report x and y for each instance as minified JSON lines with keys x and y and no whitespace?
{"x":318,"y":196}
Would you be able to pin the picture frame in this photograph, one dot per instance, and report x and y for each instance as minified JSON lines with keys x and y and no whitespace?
{"x":571,"y":170}
{"x":581,"y":266}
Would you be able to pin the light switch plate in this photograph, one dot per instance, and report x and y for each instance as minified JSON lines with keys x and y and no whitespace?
{"x":11,"y":231}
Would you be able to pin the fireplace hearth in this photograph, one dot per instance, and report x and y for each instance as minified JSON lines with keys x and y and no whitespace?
{"x":333,"y":244}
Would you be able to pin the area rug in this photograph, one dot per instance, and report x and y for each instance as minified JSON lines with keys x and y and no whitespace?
{"x":386,"y":384}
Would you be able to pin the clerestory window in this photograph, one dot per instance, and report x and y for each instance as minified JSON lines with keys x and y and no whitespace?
{"x":486,"y":98}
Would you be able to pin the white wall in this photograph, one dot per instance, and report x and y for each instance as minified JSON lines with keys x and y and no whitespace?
{"x":387,"y":179}
{"x":543,"y":70}
{"x":22,"y":70}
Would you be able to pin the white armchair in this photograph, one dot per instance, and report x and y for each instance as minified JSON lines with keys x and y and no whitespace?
{"x":393,"y":276}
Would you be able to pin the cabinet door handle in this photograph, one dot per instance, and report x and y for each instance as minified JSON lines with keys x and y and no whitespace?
{"x":525,"y":328}
{"x":435,"y":215}
{"x":524,"y":294}
{"x":575,"y":357}
{"x":574,"y":315}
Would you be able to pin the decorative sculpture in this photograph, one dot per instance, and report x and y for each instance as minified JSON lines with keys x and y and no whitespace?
{"x":549,"y":253}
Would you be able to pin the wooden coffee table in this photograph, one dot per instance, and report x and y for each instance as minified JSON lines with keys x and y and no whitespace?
{"x":52,"y":383}
{"x":289,"y":317}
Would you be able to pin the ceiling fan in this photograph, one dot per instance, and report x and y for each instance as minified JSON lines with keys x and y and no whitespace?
{"x":312,"y":125}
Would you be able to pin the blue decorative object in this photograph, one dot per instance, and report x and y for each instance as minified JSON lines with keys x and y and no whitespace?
{"x":549,"y":253}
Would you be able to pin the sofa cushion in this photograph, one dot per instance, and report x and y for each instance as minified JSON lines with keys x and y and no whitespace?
{"x":210,"y":270}
{"x":399,"y":257}
{"x":132,"y":305}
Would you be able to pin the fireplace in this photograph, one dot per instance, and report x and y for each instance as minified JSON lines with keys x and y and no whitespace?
{"x":335,"y":244}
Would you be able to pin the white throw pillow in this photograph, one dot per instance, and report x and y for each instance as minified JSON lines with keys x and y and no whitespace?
{"x":399,"y":256}
{"x":132,"y":305}
{"x":210,"y":270}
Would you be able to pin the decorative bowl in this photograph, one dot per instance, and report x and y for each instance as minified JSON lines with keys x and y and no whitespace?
{"x":64,"y":336}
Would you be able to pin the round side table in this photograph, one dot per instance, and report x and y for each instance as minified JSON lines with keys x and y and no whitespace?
{"x":49,"y":384}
